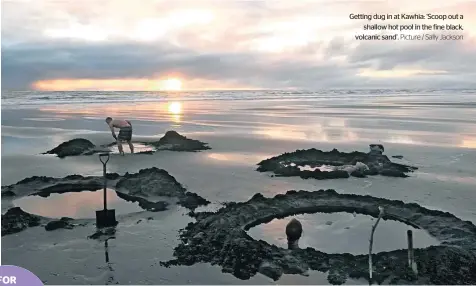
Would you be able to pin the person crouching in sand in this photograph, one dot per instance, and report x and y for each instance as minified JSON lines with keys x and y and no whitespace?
{"x":125,"y":132}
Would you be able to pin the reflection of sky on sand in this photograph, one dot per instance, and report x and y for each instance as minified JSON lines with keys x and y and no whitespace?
{"x":18,"y":145}
{"x":380,"y":119}
{"x":75,"y":205}
{"x":237,"y":158}
{"x":138,"y":147}
{"x":26,"y":140}
{"x":343,"y":232}
{"x":315,"y":132}
{"x":44,"y":119}
{"x":460,"y":179}
{"x":402,"y":140}
{"x":32,"y":132}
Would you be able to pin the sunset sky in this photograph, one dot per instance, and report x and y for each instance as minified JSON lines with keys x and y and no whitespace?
{"x":225,"y":44}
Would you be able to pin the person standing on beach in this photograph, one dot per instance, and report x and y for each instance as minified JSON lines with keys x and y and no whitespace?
{"x":125,"y":132}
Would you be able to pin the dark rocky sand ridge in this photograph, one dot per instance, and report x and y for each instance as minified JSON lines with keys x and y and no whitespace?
{"x":338,"y":164}
{"x":143,"y":187}
{"x":220,"y":238}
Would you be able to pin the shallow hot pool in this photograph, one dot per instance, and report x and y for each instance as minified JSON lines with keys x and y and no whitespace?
{"x":138,"y":147}
{"x":75,"y":204}
{"x":343,"y":233}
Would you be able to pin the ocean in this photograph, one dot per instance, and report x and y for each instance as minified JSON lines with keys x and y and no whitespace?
{"x":29,"y":98}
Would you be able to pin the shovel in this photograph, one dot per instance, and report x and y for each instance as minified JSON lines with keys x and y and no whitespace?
{"x":105,"y":217}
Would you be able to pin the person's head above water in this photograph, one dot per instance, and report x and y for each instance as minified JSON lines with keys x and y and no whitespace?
{"x":108,"y":120}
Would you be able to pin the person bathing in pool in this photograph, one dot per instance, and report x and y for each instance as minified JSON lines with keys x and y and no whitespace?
{"x":125,"y":132}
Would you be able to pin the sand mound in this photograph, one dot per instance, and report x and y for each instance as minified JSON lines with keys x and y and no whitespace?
{"x":173,"y":141}
{"x":74,"y":147}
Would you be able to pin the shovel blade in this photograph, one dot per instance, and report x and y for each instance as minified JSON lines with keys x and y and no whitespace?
{"x":105,"y":218}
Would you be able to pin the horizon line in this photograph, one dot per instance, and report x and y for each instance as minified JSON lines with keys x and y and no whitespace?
{"x":257,"y":89}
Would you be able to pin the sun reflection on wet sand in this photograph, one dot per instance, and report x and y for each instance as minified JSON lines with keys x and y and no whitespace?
{"x":468,"y":142}
{"x":75,"y":205}
{"x":175,"y":111}
{"x":171,"y":111}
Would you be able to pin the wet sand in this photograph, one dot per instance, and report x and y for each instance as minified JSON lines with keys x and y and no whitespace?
{"x":438,"y":138}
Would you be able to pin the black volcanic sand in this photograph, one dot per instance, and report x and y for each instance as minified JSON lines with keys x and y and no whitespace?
{"x":171,"y":141}
{"x":220,"y":238}
{"x":74,"y":147}
{"x":16,"y":220}
{"x":142,"y":187}
{"x":175,"y":142}
{"x":377,"y":163}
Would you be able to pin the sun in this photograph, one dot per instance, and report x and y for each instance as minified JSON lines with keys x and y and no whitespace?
{"x":171,"y":84}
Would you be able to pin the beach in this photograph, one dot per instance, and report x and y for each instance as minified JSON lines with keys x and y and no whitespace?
{"x":433,"y":130}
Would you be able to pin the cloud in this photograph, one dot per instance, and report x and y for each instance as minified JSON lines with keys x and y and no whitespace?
{"x":115,"y":61}
{"x":262,"y":44}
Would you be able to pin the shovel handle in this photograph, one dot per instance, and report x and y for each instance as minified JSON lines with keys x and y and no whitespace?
{"x":101,"y":156}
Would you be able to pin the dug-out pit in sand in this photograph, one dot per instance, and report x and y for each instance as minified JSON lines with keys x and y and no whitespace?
{"x":171,"y":141}
{"x":148,"y":188}
{"x":321,"y":165}
{"x":221,"y":238}
{"x":343,"y":233}
{"x":76,"y":205}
